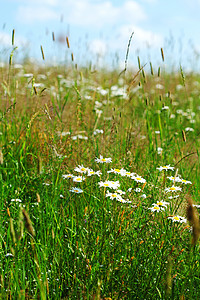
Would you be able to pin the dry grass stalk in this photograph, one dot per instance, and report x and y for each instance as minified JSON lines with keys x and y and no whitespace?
{"x":67,"y":40}
{"x":162,"y":54}
{"x":28,"y":223}
{"x":42,"y":52}
{"x":193,"y":219}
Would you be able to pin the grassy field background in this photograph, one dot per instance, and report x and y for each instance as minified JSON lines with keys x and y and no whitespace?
{"x":99,"y":183}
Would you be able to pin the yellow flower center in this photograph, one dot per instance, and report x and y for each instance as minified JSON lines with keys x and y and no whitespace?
{"x":156,"y":207}
{"x":103,"y":159}
{"x":138,"y":178}
{"x":176,"y":218}
{"x":160,"y":203}
{"x":117,"y":170}
{"x":128,"y":173}
{"x":78,"y":179}
{"x":172,"y":188}
{"x":183,"y":180}
{"x":106,"y":184}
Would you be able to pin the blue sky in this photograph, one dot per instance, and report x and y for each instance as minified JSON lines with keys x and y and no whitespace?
{"x":99,"y":30}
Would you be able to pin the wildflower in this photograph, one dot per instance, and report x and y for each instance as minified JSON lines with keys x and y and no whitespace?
{"x":16,"y":200}
{"x":78,"y":178}
{"x":76,"y":190}
{"x":185,"y":181}
{"x":178,"y":219}
{"x":129,"y":174}
{"x":90,"y":172}
{"x":118,"y":171}
{"x":196,"y":205}
{"x":157,"y":131}
{"x":137,"y":190}
{"x":175,"y":179}
{"x":143,"y":196}
{"x":161,"y":203}
{"x":81,"y":169}
{"x":129,"y":190}
{"x":173,"y":189}
{"x":156,"y":208}
{"x":189,"y":129}
{"x":113,"y":195}
{"x":138,"y":178}
{"x":159,"y":150}
{"x":173,"y":197}
{"x":103,"y":160}
{"x":167,"y":167}
{"x":165,"y":107}
{"x":98,"y":131}
{"x":120,"y":192}
{"x":67,"y":176}
{"x":110,"y":184}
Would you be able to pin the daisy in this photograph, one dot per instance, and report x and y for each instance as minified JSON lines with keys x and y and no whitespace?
{"x":103,"y":160}
{"x":143,"y":196}
{"x":196,"y":205}
{"x":138,"y":178}
{"x":161,"y":203}
{"x":113,"y":195}
{"x":98,"y":131}
{"x":173,"y":197}
{"x":129,"y":174}
{"x":118,"y":171}
{"x":110,"y":184}
{"x":175,"y":179}
{"x":156,"y":208}
{"x":91,"y":172}
{"x":67,"y":176}
{"x":137,"y":190}
{"x":78,"y":178}
{"x":185,"y":181}
{"x":178,"y":219}
{"x":167,"y":167}
{"x":173,"y":189}
{"x":16,"y":200}
{"x":81,"y":169}
{"x":76,"y":190}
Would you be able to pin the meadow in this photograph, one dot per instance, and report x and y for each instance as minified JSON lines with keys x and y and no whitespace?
{"x":99,"y":183}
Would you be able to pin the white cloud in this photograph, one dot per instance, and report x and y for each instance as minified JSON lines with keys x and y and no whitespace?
{"x":30,"y":14}
{"x":141,"y":36}
{"x":6,"y":40}
{"x":102,"y":13}
{"x":98,"y":47}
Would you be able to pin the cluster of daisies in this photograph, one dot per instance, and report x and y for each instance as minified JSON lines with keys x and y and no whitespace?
{"x":112,"y":188}
{"x":162,"y":205}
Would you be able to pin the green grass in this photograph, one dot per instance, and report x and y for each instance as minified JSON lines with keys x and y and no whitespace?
{"x":56,"y":244}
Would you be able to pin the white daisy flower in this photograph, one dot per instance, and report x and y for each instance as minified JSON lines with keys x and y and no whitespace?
{"x":67,"y":176}
{"x":90,"y":172}
{"x":103,"y":160}
{"x":156,"y":208}
{"x":110,"y":184}
{"x":173,"y":189}
{"x":81,"y":169}
{"x":138,"y":178}
{"x":118,"y":171}
{"x":178,"y":219}
{"x":185,"y":181}
{"x":167,"y":167}
{"x":76,"y":190}
{"x":78,"y":178}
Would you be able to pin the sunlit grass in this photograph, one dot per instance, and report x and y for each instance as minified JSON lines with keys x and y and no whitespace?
{"x":95,"y":175}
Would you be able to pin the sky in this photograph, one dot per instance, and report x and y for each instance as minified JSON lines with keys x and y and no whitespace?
{"x":99,"y":31}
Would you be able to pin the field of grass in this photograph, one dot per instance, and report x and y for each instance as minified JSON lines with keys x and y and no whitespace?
{"x":99,"y":183}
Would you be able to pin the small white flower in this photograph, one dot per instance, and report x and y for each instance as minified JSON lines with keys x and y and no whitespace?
{"x":78,"y":178}
{"x":98,"y":131}
{"x":178,"y":219}
{"x":110,"y":184}
{"x":122,"y":172}
{"x":161,"y":203}
{"x":185,"y":181}
{"x":173,"y":189}
{"x":16,"y":200}
{"x":138,"y":178}
{"x":103,"y":160}
{"x":137,"y":190}
{"x":76,"y":190}
{"x":156,"y":208}
{"x":67,"y":176}
{"x":159,"y":150}
{"x":81,"y":169}
{"x":143,"y":196}
{"x":167,"y":167}
{"x":90,"y":172}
